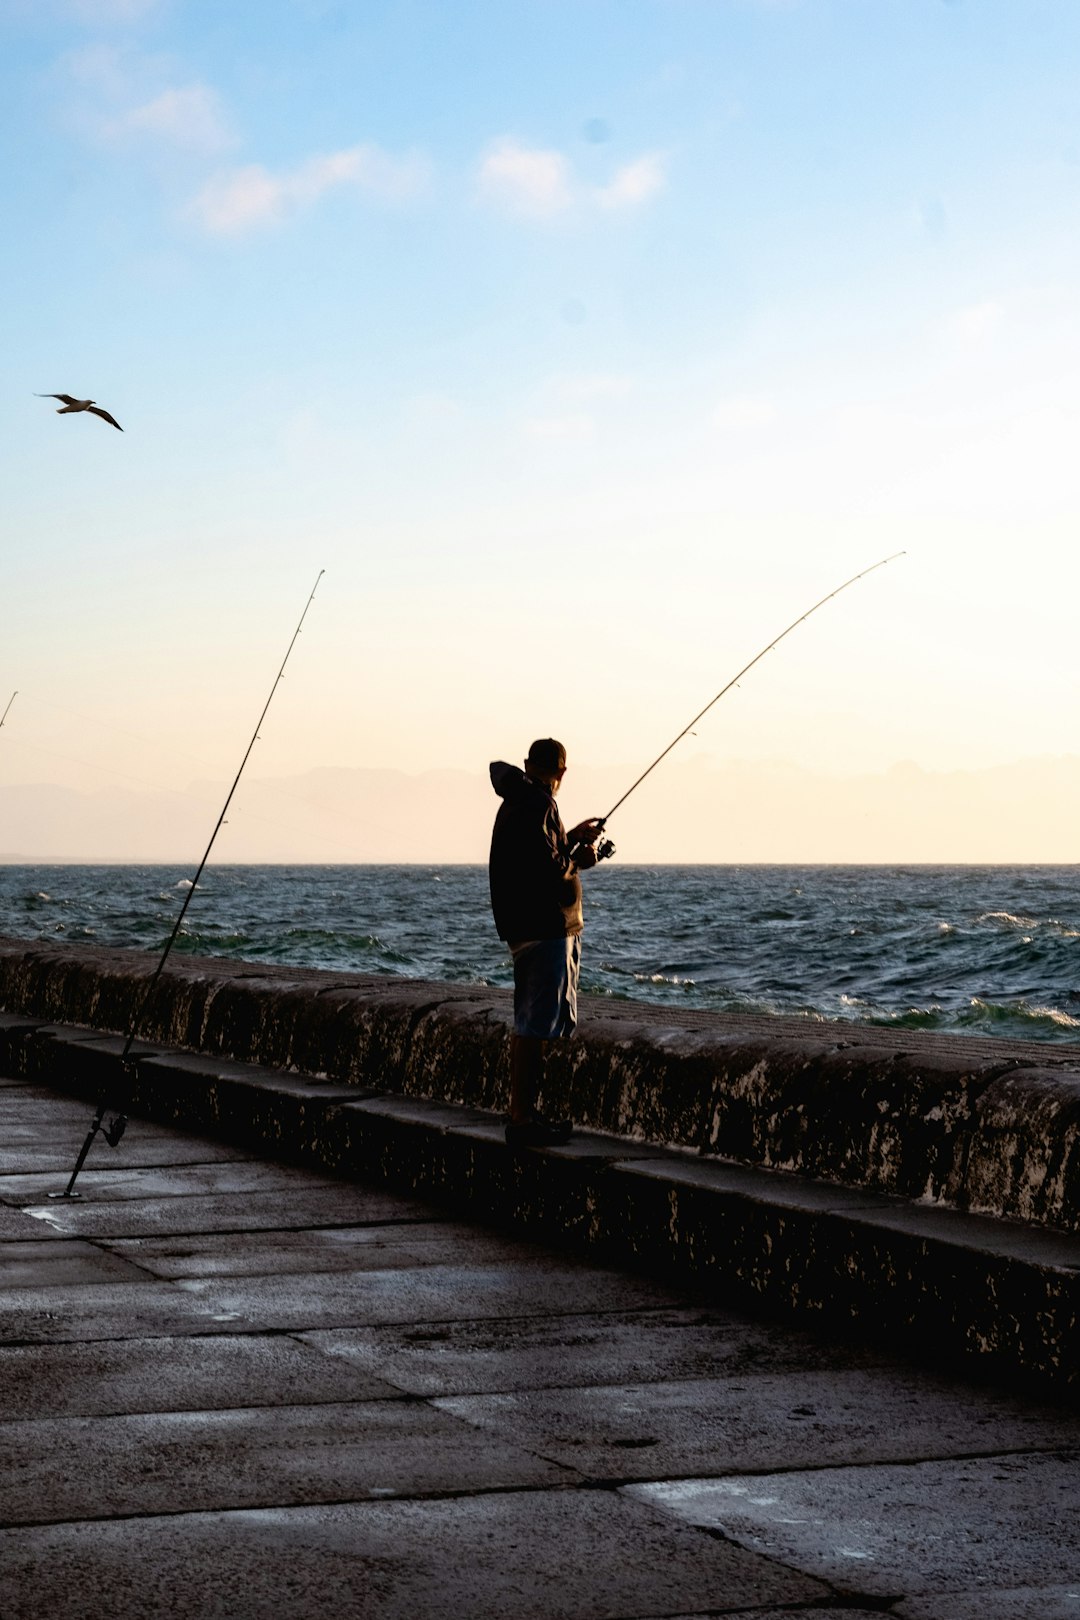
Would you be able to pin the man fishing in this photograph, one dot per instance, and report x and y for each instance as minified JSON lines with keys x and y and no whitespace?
{"x":536,"y":902}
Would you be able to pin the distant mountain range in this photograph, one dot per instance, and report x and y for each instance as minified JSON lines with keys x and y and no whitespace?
{"x":698,"y":809}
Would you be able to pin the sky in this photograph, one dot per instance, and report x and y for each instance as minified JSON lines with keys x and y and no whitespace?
{"x":584,"y":344}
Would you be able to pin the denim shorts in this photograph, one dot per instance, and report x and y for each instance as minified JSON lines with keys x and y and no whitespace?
{"x":546,"y":975}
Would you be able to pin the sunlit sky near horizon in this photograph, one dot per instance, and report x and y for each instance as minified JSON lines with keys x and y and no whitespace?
{"x":583,"y":343}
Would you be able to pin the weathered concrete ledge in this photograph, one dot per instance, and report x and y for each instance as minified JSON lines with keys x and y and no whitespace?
{"x":923,"y":1193}
{"x":969,"y":1124}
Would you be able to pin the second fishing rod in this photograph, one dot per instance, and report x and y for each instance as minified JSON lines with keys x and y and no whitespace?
{"x":604,"y":846}
{"x":116,"y":1127}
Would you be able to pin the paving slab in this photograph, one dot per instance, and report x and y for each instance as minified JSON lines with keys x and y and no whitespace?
{"x":287,"y":1352}
{"x":180,"y":1181}
{"x":531,"y":1353}
{"x":352,"y":1248}
{"x":42,"y":1131}
{"x":300,"y":1207}
{"x":180,"y":1462}
{"x":529,"y":1286}
{"x":1023,"y":1603}
{"x":25,"y":1156}
{"x":540,"y":1555}
{"x":16,"y":1226}
{"x":790,"y":1420}
{"x":155,"y":1309}
{"x":933,"y":1529}
{"x":88,"y":1311}
{"x":190,"y":1374}
{"x":49,"y":1265}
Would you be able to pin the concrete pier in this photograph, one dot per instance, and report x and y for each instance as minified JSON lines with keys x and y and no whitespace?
{"x":233,"y":1387}
{"x":922,"y":1192}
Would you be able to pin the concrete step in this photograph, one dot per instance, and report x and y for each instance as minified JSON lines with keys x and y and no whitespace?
{"x":949,"y":1287}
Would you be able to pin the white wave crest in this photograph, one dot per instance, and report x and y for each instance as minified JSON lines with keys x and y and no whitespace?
{"x":1056,"y":1016}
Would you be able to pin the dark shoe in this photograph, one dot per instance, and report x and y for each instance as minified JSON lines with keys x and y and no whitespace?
{"x":539,"y":1132}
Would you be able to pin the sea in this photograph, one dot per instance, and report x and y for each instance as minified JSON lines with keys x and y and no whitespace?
{"x":991,"y":950}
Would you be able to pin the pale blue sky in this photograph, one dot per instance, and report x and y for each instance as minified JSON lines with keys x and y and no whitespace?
{"x":583,"y":343}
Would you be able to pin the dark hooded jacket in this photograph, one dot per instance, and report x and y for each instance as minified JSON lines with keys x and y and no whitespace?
{"x":535,"y":888}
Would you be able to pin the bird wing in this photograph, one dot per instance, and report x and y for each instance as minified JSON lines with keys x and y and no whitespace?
{"x":96,"y":410}
{"x":67,"y":399}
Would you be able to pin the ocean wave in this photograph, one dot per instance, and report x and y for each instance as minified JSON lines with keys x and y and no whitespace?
{"x":932,"y":1017}
{"x":1005,"y":1012}
{"x":1009,"y":922}
{"x":362,"y":945}
{"x":1018,"y":1019}
{"x":967,"y":950}
{"x":664,"y":978}
{"x":293,"y":947}
{"x":1056,"y":1016}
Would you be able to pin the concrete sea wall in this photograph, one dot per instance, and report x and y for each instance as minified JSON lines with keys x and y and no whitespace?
{"x":923,"y":1184}
{"x":979,"y":1126}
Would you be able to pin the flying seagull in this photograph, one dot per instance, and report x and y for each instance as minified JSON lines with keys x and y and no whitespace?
{"x":81,"y":405}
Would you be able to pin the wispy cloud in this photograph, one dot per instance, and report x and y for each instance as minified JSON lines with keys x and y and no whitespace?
{"x":113,"y":73}
{"x":633,"y":184}
{"x":528,"y":180}
{"x":252,"y":197}
{"x":124,"y":95}
{"x":189,"y":116}
{"x":540,"y":182}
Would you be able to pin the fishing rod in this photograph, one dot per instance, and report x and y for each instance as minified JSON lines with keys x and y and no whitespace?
{"x":115,"y":1130}
{"x":10,"y":701}
{"x":606,"y":848}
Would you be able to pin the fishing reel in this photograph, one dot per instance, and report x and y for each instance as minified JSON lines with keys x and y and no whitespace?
{"x":115,"y":1130}
{"x":603,"y":849}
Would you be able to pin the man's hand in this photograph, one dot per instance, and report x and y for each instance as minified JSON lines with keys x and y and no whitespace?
{"x":586,"y":832}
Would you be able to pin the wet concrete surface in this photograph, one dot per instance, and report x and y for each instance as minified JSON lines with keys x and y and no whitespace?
{"x":110,"y":1377}
{"x":243,"y":1211}
{"x":537,"y":1555}
{"x":789,"y":1420}
{"x":31,"y":1142}
{"x":425,"y":1293}
{"x":263,"y":1254}
{"x":931,"y":1531}
{"x":28,"y":1265}
{"x":570,"y":1351}
{"x":200,"y":1181}
{"x":185,"y":1462}
{"x":230,"y":1388}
